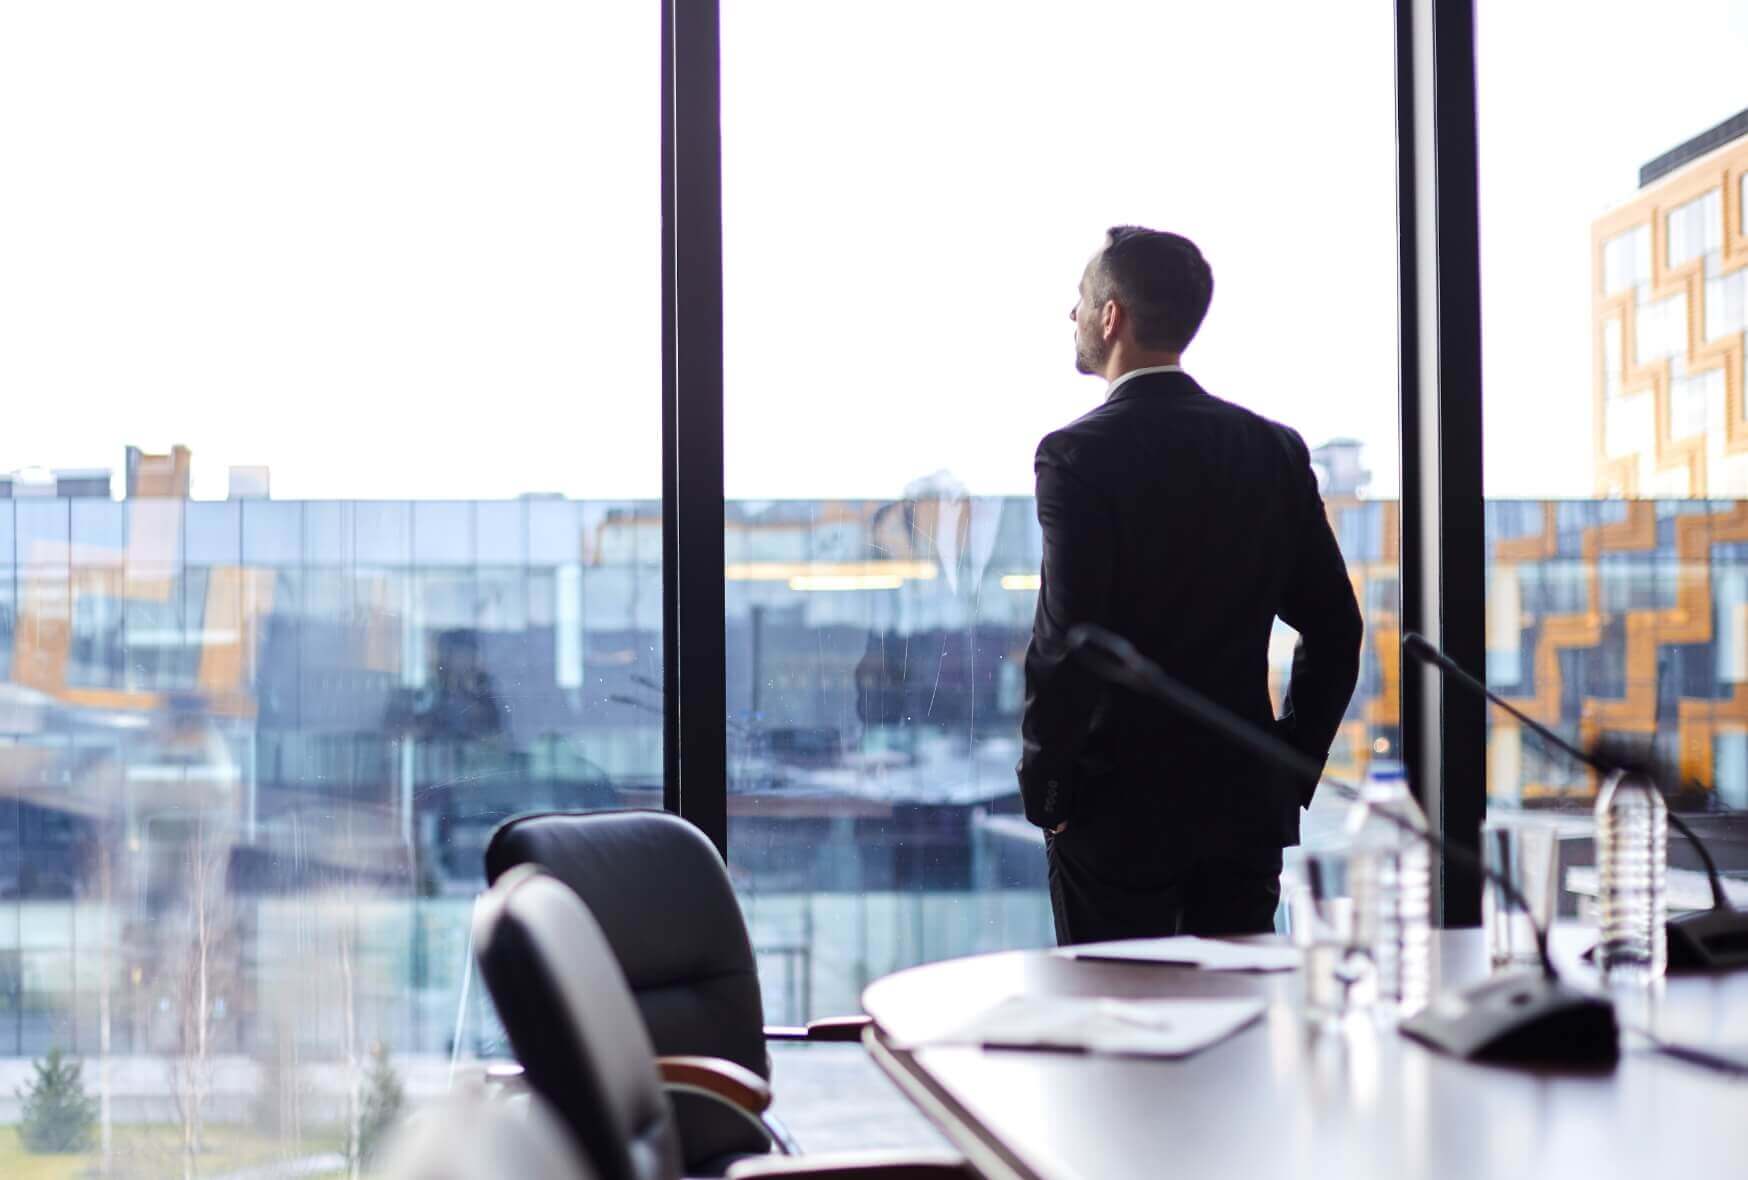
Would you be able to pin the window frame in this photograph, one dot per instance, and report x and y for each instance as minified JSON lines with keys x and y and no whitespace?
{"x":1439,"y":325}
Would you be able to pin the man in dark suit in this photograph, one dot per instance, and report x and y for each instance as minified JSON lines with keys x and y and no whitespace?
{"x":1187,"y":525}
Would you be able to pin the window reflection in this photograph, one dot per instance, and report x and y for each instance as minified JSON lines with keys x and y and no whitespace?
{"x":272,"y":737}
{"x":874,"y":654}
{"x":316,"y":748}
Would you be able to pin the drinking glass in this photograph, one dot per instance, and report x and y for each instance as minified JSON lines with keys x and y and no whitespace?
{"x":1527,"y":854}
{"x":1340,"y":976}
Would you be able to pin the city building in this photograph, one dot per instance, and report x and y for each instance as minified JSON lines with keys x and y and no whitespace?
{"x":1671,"y":303}
{"x":249,"y":483}
{"x":72,"y":483}
{"x":160,"y":476}
{"x":342,"y":699}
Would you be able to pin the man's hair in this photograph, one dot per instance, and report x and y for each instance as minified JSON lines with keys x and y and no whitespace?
{"x":1161,"y":280}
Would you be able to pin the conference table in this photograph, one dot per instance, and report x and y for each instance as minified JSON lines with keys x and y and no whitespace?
{"x":1289,"y":1097}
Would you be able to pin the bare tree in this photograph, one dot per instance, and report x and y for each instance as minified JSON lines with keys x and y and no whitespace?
{"x":106,"y":968}
{"x":279,"y":1100}
{"x":205,"y":976}
{"x":348,"y":900}
{"x":347,"y":935}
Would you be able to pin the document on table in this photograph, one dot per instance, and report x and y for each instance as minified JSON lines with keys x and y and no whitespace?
{"x":1097,"y":1024}
{"x":1685,"y":888}
{"x":1184,"y":950}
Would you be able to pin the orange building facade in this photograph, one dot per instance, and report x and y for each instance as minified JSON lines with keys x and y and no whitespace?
{"x":1670,"y":298}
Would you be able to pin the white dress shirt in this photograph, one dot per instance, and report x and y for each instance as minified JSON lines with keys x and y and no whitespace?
{"x":1134,"y":373}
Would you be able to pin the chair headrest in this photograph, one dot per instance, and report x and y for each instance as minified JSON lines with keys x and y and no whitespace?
{"x":655,"y":883}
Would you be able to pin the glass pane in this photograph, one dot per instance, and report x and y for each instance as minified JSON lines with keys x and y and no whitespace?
{"x":1627,"y":260}
{"x":1696,"y":228}
{"x":919,"y":254}
{"x":263,"y":698}
{"x":1617,"y":450}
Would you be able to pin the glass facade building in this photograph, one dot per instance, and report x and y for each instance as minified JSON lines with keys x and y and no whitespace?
{"x":1670,"y":299}
{"x":275,"y":736}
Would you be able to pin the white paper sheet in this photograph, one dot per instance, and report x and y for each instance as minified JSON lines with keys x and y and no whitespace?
{"x":1143,"y":1028}
{"x":1685,"y":889}
{"x":1209,"y":954}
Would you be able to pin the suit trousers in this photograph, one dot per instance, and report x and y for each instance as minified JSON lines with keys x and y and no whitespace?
{"x":1230,"y":888}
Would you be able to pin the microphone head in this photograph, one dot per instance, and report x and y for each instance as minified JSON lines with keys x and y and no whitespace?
{"x":1635,"y":756}
{"x":1420,"y":648}
{"x":1103,"y":640}
{"x":1110,"y":656}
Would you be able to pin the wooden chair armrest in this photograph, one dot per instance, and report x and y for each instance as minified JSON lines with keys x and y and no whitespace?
{"x":724,"y":1079}
{"x":869,"y":1165}
{"x":830,"y":1028}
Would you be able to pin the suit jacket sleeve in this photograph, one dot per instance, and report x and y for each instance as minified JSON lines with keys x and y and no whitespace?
{"x":1318,"y":603}
{"x":1075,"y":586}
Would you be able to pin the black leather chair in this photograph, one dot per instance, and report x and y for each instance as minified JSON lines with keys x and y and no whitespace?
{"x":474,"y":1136}
{"x":570,"y":1017}
{"x":576,"y":1032}
{"x":663,"y":898}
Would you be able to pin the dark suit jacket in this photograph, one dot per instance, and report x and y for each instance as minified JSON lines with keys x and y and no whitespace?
{"x":1185,"y":524}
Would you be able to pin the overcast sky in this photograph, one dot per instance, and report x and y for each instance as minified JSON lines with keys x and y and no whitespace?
{"x":410,"y":249}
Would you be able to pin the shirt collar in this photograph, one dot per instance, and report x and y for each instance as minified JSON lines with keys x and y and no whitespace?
{"x":1111,"y":389}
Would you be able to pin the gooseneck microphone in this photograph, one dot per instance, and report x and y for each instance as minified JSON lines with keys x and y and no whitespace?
{"x":1519,"y":1017}
{"x":1115,"y":659}
{"x":1714,"y":939}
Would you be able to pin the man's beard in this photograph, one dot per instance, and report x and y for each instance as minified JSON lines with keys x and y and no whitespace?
{"x":1090,"y":355}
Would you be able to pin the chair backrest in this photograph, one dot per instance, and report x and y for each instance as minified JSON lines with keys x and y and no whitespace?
{"x":659,"y":889}
{"x":564,"y":1003}
{"x":476,"y":1137}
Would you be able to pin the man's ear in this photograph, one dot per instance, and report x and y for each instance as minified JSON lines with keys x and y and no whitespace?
{"x":1111,"y":319}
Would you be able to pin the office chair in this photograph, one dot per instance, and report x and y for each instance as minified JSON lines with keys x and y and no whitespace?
{"x":664,"y":901}
{"x":471,"y":1136}
{"x":571,"y":1019}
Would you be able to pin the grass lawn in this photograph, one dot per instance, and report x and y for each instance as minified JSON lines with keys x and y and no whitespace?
{"x":154,"y":1151}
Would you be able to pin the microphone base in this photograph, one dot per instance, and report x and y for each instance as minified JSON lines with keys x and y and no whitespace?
{"x":1709,"y":940}
{"x":1523,"y":1019}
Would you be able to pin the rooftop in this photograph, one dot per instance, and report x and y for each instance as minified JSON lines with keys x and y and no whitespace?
{"x":1734,"y":127}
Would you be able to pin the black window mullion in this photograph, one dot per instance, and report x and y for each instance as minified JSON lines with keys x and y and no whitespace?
{"x":1444,"y":728}
{"x":695,"y":753}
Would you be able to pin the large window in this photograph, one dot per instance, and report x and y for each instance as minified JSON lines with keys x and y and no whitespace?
{"x":1612,"y":155}
{"x":333,"y":531}
{"x":909,"y":200}
{"x":390,"y":272}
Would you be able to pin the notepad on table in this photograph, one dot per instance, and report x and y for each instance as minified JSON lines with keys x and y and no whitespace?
{"x":1134,"y":1028}
{"x":1184,"y":950}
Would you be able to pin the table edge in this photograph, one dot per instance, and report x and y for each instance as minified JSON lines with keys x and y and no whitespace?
{"x":986,"y":1154}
